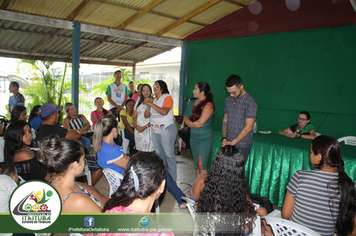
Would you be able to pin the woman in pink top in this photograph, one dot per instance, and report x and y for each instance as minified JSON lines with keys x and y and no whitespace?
{"x":99,"y":112}
{"x":143,"y":183}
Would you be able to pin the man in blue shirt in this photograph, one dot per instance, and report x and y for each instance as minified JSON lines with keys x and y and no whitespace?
{"x":17,"y":99}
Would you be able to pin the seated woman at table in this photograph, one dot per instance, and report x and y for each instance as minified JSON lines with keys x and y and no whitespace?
{"x":64,"y":159}
{"x":322,"y":199}
{"x":143,"y":183}
{"x":226,"y":195}
{"x":301,"y":130}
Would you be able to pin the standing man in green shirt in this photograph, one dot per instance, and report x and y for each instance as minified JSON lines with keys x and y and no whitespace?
{"x":117,"y":93}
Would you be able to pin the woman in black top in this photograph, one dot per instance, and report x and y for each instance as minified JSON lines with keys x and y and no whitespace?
{"x":17,"y":139}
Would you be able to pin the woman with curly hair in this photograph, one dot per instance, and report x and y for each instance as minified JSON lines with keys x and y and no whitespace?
{"x":322,"y":199}
{"x":143,"y":183}
{"x":225,"y":198}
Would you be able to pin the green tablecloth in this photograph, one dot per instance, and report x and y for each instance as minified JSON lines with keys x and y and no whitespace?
{"x":275,"y":158}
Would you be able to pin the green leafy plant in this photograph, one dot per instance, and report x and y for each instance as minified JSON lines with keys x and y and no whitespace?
{"x":49,"y":85}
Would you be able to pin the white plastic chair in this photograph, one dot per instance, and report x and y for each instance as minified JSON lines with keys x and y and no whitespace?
{"x":349,"y":140}
{"x":114,"y":178}
{"x":125,"y":141}
{"x":192,"y":210}
{"x":86,"y":172}
{"x":286,"y":227}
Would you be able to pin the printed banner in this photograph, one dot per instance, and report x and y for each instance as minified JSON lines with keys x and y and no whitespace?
{"x":107,"y":223}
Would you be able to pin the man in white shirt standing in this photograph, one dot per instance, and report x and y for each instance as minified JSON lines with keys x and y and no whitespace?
{"x":117,"y":93}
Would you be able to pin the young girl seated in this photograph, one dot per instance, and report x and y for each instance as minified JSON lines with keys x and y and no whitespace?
{"x":142,"y":184}
{"x":8,"y":182}
{"x":225,"y":197}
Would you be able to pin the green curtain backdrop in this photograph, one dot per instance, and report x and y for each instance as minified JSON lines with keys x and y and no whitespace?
{"x":313,"y":70}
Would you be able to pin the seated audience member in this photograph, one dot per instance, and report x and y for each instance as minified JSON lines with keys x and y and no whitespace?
{"x":17,"y":139}
{"x":126,"y":124}
{"x":137,"y":95}
{"x":143,"y":183}
{"x":225,"y":196}
{"x":18,"y":113}
{"x":34,"y":120}
{"x":49,"y":125}
{"x":198,"y":187}
{"x":108,"y":153}
{"x":2,"y":142}
{"x":8,"y":182}
{"x":184,"y":134}
{"x":73,"y":121}
{"x":322,"y":199}
{"x":301,"y":130}
{"x":64,"y":159}
{"x":99,"y":112}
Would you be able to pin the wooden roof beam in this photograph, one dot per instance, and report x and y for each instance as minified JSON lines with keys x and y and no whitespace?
{"x":236,"y":3}
{"x":140,"y":13}
{"x":150,"y":11}
{"x":187,"y":17}
{"x":63,"y":58}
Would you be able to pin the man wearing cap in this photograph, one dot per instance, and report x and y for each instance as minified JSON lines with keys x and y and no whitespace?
{"x":117,"y":93}
{"x":49,"y":124}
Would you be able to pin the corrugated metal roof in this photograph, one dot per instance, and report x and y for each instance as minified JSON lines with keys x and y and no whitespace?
{"x":107,"y":15}
{"x":216,"y":12}
{"x":179,"y":8}
{"x":182,"y":30}
{"x":149,"y":24}
{"x":32,"y":37}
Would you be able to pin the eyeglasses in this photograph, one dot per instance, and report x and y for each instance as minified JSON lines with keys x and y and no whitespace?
{"x":233,"y":93}
{"x":303,"y":119}
{"x":146,"y":90}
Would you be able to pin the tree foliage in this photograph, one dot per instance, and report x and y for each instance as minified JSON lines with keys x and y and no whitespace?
{"x":49,"y":85}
